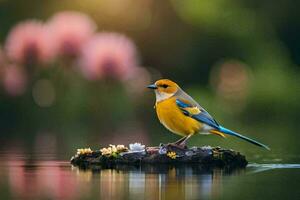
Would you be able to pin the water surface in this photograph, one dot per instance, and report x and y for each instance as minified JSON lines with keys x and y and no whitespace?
{"x":46,"y":177}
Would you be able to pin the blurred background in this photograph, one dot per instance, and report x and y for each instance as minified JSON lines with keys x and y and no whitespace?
{"x":73,"y":73}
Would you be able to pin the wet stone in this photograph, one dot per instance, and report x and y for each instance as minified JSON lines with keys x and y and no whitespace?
{"x":212,"y":157}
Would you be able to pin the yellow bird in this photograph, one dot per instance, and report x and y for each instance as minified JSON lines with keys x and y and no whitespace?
{"x":182,"y":115}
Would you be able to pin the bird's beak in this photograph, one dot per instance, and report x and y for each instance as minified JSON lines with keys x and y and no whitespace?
{"x":152,"y":86}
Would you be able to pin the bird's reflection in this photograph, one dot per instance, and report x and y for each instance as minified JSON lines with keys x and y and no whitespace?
{"x":33,"y":179}
{"x":159,"y":182}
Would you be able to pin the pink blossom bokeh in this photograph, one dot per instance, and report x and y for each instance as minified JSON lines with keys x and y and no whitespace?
{"x":1,"y":62}
{"x":71,"y":35}
{"x":69,"y":31}
{"x":110,"y":55}
{"x":29,"y":43}
{"x":14,"y":80}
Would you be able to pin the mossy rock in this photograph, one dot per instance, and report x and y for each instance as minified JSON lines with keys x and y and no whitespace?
{"x":205,"y":157}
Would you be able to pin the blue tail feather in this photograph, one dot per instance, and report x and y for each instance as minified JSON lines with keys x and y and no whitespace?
{"x":229,"y":132}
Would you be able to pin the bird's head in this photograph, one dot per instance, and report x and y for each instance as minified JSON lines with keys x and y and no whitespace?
{"x":164,"y":89}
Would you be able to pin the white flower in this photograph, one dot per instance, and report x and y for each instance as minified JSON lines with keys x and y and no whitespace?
{"x":206,"y":147}
{"x":136,"y":147}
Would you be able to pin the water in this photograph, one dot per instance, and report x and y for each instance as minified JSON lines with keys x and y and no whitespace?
{"x":46,"y":177}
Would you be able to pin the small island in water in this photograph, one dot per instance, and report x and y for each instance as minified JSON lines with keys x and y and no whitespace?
{"x":167,"y":154}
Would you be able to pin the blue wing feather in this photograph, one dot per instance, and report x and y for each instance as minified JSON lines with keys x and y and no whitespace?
{"x":204,"y":119}
{"x":181,"y":104}
{"x":203,"y":116}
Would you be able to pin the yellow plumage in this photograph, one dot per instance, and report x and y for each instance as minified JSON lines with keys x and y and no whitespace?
{"x":182,"y":115}
{"x":172,"y":118}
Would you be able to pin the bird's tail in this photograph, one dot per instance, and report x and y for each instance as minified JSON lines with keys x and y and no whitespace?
{"x":229,"y":132}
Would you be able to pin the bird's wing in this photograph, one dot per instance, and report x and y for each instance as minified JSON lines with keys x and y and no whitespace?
{"x":191,"y":108}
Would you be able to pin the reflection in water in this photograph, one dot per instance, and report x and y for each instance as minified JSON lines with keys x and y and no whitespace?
{"x":256,"y":168}
{"x":45,"y":179}
{"x":40,"y":179}
{"x":22,"y":177}
{"x":157,"y":182}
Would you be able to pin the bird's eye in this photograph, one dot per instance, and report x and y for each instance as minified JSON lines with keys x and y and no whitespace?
{"x":164,"y":86}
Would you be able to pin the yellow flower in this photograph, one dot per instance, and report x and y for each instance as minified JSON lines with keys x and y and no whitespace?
{"x":113,"y":148}
{"x":84,"y":151}
{"x":106,"y":151}
{"x":171,"y":154}
{"x":121,"y":148}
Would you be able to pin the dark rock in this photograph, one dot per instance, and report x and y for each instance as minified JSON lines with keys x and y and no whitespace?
{"x":204,"y":157}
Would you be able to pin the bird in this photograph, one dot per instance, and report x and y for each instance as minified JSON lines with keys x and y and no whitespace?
{"x":182,"y":115}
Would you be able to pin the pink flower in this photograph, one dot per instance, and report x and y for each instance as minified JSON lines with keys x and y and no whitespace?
{"x":69,"y":31}
{"x":108,"y":55}
{"x":1,"y":61}
{"x":1,"y":57}
{"x":14,"y":80}
{"x":28,"y":42}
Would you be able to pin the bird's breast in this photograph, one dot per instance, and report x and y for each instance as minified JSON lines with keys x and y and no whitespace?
{"x":173,"y":119}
